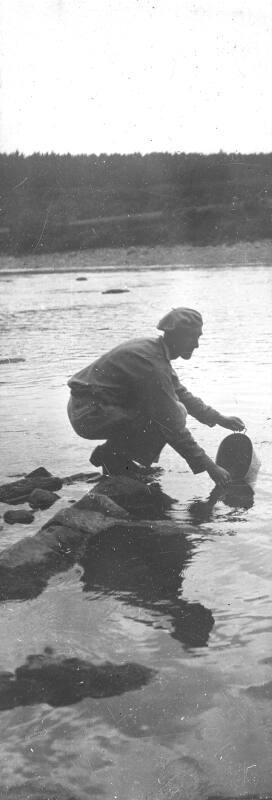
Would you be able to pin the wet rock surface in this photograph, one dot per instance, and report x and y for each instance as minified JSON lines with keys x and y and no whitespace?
{"x":19,"y":515}
{"x":81,"y":476}
{"x":142,"y":563}
{"x":26,"y":567}
{"x":19,"y":491}
{"x":139,"y":561}
{"x":136,"y":496}
{"x":121,"y":489}
{"x":42,"y":498}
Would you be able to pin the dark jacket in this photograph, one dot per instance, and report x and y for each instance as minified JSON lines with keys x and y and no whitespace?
{"x":138,"y":374}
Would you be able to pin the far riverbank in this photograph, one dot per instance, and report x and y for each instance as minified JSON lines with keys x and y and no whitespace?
{"x":142,"y":258}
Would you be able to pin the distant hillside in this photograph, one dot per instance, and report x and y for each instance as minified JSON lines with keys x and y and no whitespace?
{"x":51,"y":202}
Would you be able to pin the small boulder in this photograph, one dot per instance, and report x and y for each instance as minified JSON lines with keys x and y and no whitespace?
{"x":41,"y":498}
{"x":42,"y":479}
{"x":39,"y":472}
{"x":21,"y":515}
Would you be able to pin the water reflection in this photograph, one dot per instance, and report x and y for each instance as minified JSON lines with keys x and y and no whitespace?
{"x":238,"y":494}
{"x":59,"y":681}
{"x":145,"y":570}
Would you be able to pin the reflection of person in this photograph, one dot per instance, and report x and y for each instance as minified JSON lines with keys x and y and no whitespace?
{"x":145,"y":570}
{"x":132,"y":397}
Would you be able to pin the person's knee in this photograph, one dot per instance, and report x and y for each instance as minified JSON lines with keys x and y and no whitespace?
{"x":78,"y":421}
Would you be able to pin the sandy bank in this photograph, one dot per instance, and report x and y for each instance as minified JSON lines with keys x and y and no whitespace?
{"x":159,"y":257}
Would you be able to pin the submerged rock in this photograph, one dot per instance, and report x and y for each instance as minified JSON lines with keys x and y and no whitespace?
{"x":41,"y":498}
{"x":60,"y":681}
{"x":21,"y":515}
{"x":11,"y":360}
{"x":115,"y":291}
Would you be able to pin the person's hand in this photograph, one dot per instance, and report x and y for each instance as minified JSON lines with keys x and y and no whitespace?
{"x":219,"y":475}
{"x":232,"y":423}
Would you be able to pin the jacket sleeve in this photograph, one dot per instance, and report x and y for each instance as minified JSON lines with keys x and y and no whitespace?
{"x":194,"y":405}
{"x":159,"y":402}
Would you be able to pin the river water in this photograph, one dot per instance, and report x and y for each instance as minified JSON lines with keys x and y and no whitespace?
{"x":184,"y":621}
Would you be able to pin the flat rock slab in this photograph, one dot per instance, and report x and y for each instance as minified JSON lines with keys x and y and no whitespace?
{"x":122,"y":488}
{"x":134,"y":495}
{"x":81,"y":476}
{"x":26,"y":567}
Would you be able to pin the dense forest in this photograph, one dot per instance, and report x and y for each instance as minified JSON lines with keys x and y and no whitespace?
{"x":58,"y":202}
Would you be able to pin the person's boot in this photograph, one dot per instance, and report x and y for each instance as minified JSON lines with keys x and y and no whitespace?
{"x":112,"y":463}
{"x":96,"y":458}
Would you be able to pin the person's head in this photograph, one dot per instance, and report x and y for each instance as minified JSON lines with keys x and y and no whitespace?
{"x":182,"y":329}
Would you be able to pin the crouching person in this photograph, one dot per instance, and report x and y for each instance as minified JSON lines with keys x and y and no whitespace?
{"x":132,"y":397}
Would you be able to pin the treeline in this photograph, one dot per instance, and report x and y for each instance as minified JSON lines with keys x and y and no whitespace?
{"x":56,"y":202}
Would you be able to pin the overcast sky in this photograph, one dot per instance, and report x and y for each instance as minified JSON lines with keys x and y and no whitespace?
{"x":136,"y":75}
